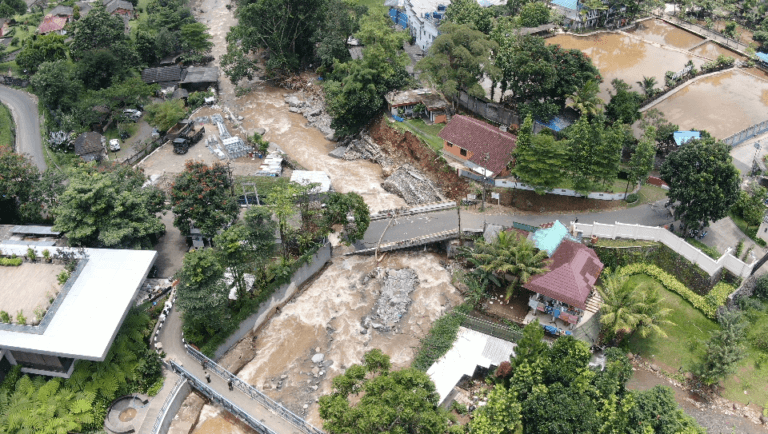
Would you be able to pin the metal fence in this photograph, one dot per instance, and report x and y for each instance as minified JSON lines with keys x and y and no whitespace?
{"x":254,"y":394}
{"x":224,"y":402}
{"x":166,"y":405}
{"x":746,"y":134}
{"x":489,"y":328}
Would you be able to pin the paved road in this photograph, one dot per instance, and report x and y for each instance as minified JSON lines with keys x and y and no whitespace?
{"x":405,"y":228}
{"x":25,"y":116}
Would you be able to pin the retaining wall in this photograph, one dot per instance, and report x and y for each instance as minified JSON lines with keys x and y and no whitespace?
{"x":677,"y":244}
{"x":492,"y":111}
{"x":279,"y":298}
{"x":503,"y":183}
{"x":172,"y":406}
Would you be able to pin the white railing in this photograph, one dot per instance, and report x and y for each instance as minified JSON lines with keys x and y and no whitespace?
{"x":677,"y":244}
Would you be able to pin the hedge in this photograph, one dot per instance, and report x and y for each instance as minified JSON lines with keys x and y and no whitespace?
{"x":11,"y":262}
{"x":707,"y":305}
{"x":438,"y":341}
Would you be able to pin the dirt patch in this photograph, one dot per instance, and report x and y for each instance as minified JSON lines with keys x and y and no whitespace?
{"x":407,"y":148}
{"x":529,"y":202}
{"x":320,"y":333}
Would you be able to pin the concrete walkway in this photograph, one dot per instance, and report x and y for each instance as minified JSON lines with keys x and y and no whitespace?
{"x":170,"y":336}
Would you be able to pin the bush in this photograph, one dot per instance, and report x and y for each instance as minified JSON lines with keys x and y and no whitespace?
{"x":438,"y":341}
{"x":11,"y":262}
{"x":197,"y":99}
{"x":707,"y":305}
{"x":761,"y":286}
{"x":631,"y":198}
{"x":20,"y":318}
{"x":459,"y":407}
{"x":739,"y":248}
{"x":4,"y":317}
{"x":63,"y":277}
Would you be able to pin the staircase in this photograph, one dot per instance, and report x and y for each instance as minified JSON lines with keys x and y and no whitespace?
{"x":594,"y":302}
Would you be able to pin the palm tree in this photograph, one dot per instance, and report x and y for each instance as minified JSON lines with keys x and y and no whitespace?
{"x":586,"y":101}
{"x":511,"y":255}
{"x":647,"y":85}
{"x":652,"y":313}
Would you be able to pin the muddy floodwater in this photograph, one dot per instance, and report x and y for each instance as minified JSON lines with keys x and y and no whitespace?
{"x":663,"y":33}
{"x":713,"y":50}
{"x":625,"y":57}
{"x":723,"y":104}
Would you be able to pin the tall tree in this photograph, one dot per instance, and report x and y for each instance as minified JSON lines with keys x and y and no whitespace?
{"x":595,"y":153}
{"x":101,"y":31}
{"x":751,"y":206}
{"x":282,"y":200}
{"x":624,"y":106}
{"x":339,"y":207}
{"x":458,"y":59}
{"x":703,"y":182}
{"x":539,"y":160}
{"x":534,"y":14}
{"x":56,"y":84}
{"x":110,"y":209}
{"x":18,"y":177}
{"x":201,"y":195}
{"x":46,"y":48}
{"x":202,"y":295}
{"x":586,"y":101}
{"x":469,"y":12}
{"x":724,"y":348}
{"x":371,"y":398}
{"x":641,"y":161}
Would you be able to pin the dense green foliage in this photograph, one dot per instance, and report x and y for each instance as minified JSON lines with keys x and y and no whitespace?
{"x":202,"y":295}
{"x":469,"y":12}
{"x":9,"y":8}
{"x":624,"y":106}
{"x":438,"y":341}
{"x":45,"y":48}
{"x":703,"y":182}
{"x":200,"y":195}
{"x":25,"y":194}
{"x":552,"y":390}
{"x":537,"y":157}
{"x":751,"y":206}
{"x":642,"y":160}
{"x":724,"y":348}
{"x":109,"y":208}
{"x":164,"y":115}
{"x":403,"y":401}
{"x":79,"y":404}
{"x":11,"y":262}
{"x":761,"y":286}
{"x":594,"y":152}
{"x":534,"y":14}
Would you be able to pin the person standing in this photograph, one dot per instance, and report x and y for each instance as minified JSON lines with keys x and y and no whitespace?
{"x":207,"y":377}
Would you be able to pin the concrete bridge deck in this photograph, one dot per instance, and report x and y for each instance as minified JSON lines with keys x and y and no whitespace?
{"x":413,"y":229}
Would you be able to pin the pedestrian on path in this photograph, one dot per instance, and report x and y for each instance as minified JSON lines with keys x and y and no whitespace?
{"x":207,"y":377}
{"x":229,"y":383}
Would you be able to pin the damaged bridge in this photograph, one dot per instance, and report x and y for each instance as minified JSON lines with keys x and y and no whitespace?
{"x":410,"y":227}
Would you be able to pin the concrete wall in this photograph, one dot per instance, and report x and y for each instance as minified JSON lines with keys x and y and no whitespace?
{"x":279,"y":298}
{"x":174,"y":405}
{"x":503,"y":183}
{"x":679,"y":245}
{"x":487,"y":109}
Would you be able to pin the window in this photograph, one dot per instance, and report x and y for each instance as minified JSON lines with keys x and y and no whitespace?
{"x":449,"y":144}
{"x":463,"y":152}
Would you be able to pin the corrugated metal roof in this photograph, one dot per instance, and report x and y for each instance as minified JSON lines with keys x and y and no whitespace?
{"x":34,"y":230}
{"x":550,"y":238}
{"x":681,"y":137}
{"x":762,"y":56}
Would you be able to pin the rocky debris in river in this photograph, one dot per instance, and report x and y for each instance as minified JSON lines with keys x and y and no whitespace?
{"x":362,"y":147}
{"x":394,"y":297}
{"x":312,"y":108}
{"x":412,"y":185}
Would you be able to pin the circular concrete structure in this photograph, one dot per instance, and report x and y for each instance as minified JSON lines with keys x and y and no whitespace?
{"x":126,"y":414}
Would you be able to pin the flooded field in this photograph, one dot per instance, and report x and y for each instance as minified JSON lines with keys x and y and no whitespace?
{"x":661,"y":32}
{"x":712,"y":50}
{"x":723,"y":104}
{"x":621,"y":56}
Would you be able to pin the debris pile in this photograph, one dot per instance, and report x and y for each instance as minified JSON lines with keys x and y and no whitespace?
{"x":394,"y":297}
{"x":312,"y":108}
{"x":412,"y":185}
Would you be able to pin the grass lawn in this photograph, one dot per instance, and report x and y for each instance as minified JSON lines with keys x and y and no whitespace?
{"x":684,"y":344}
{"x":143,"y":15}
{"x":742,"y":225}
{"x":607,"y":242}
{"x":752,"y":372}
{"x":13,"y":67}
{"x":427,"y":133}
{"x":264,"y":184}
{"x":6,"y":125}
{"x":649,"y":194}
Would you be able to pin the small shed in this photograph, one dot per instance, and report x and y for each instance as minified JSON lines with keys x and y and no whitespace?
{"x":165,"y":74}
{"x":90,"y":146}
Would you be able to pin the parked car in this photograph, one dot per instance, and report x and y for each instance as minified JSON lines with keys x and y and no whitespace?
{"x":132,"y":114}
{"x":114,"y":145}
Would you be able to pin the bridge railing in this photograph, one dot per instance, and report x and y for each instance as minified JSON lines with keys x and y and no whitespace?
{"x":254,"y":393}
{"x":166,"y":405}
{"x":224,"y":402}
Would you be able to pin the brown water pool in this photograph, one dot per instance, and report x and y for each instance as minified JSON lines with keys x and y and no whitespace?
{"x":664,"y":33}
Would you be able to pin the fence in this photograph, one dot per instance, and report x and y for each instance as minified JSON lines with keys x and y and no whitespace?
{"x":503,"y":183}
{"x":489,"y":328}
{"x":677,"y":244}
{"x":746,"y":134}
{"x":171,"y":406}
{"x":282,"y":295}
{"x":148,"y":148}
{"x":254,"y":393}
{"x":224,"y":402}
{"x":489,"y":110}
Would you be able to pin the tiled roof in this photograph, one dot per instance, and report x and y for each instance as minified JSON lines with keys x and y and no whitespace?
{"x":119,"y":4}
{"x":51,"y":24}
{"x":163,"y":74}
{"x":573,"y":271}
{"x":480,"y":139}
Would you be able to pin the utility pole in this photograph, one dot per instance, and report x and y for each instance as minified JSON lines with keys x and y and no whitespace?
{"x":485,"y":178}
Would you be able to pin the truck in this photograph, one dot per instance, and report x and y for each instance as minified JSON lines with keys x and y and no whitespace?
{"x":187,"y":135}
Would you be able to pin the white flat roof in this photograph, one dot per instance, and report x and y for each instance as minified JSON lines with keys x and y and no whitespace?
{"x":470,"y":350}
{"x":306,"y":177}
{"x":90,"y":315}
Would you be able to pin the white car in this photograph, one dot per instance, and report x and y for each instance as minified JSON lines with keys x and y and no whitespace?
{"x":132,"y":114}
{"x":114,"y":145}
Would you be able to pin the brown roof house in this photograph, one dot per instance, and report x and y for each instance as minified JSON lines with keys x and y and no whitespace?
{"x":90,"y":146}
{"x":52,"y":24}
{"x":436,"y":107}
{"x":480,"y":146}
{"x":566,"y":291}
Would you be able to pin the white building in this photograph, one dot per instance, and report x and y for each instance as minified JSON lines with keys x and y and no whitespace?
{"x":85,"y":315}
{"x":424,"y":17}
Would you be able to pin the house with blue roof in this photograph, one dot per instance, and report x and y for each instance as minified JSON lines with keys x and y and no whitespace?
{"x":681,"y":137}
{"x":762,"y":57}
{"x":578,"y":16}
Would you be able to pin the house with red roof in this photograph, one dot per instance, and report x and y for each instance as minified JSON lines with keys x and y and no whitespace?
{"x":478,"y":145}
{"x":52,"y":24}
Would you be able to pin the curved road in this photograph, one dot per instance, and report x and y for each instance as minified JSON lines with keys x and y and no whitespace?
{"x":25,"y":116}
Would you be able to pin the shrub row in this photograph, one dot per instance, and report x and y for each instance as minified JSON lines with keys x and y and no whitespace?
{"x":707,"y":305}
{"x":11,"y":262}
{"x":438,"y":341}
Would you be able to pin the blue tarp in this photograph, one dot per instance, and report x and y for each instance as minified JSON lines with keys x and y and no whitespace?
{"x":682,"y":137}
{"x":557,"y":123}
{"x":762,"y":56}
{"x":568,"y":4}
